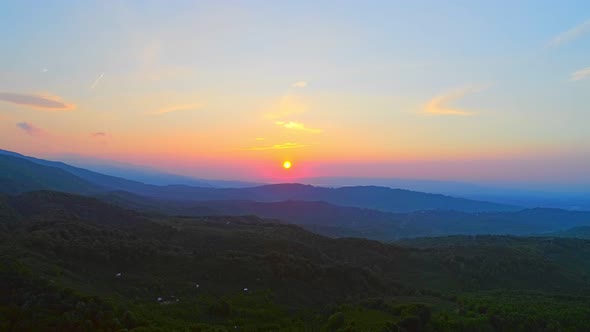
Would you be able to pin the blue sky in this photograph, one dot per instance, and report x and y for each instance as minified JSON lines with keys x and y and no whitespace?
{"x":340,"y":87}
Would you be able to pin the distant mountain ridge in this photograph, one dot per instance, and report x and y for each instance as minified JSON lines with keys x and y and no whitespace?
{"x":20,"y":175}
{"x":106,"y":182}
{"x":151,"y":176}
{"x":344,"y":221}
{"x":133,"y":173}
{"x":378,"y":198}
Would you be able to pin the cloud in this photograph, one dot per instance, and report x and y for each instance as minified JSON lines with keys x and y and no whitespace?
{"x":439,"y":104}
{"x":97,"y":81}
{"x":30,"y":129}
{"x":42,"y":102}
{"x":260,"y":138}
{"x":177,"y":108}
{"x":580,"y":74}
{"x":299,"y":84}
{"x":297,"y":126}
{"x":282,"y":146}
{"x":99,"y":134}
{"x":568,"y":36}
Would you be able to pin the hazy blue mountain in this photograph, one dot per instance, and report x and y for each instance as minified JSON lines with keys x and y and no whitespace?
{"x":498,"y":193}
{"x":18,"y":175}
{"x":349,"y":211}
{"x":340,"y":221}
{"x":430,"y":186}
{"x":104,"y":181}
{"x":128,"y":177}
{"x":378,"y":198}
{"x":373,"y":197}
{"x":148,"y":175}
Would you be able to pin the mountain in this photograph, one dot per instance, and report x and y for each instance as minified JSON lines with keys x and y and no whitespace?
{"x":370,"y":197}
{"x":105,"y":182}
{"x":335,"y":212}
{"x":75,"y":263}
{"x":378,"y":198}
{"x":111,"y":170}
{"x":61,"y":206}
{"x":340,"y":221}
{"x":149,"y":176}
{"x":20,"y":175}
{"x":453,"y":188}
{"x":560,"y":197}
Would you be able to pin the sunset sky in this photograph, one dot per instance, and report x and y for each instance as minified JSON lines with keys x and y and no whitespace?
{"x":487,"y":91}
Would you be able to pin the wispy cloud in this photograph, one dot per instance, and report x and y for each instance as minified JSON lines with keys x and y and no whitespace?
{"x":297,"y":126}
{"x":288,"y":145}
{"x":439,"y":105}
{"x":99,"y":134}
{"x":580,"y":74}
{"x":30,"y":129}
{"x":260,"y":138}
{"x":177,"y":108}
{"x":42,"y":102}
{"x":96,"y":81}
{"x":299,"y":84}
{"x":568,"y":36}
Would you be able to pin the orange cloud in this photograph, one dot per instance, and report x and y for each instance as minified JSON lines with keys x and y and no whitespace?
{"x":297,"y":126}
{"x":439,"y":104}
{"x":42,"y":102}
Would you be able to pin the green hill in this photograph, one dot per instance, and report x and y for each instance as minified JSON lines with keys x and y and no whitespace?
{"x":76,"y":263}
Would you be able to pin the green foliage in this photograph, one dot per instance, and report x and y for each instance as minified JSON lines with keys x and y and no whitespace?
{"x":70,"y":263}
{"x":335,"y":321}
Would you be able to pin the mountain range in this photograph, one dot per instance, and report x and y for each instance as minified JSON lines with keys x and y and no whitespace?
{"x":372,"y":212}
{"x":379,"y":198}
{"x":85,"y":251}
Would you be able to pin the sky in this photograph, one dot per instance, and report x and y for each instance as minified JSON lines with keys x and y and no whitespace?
{"x":477,"y":91}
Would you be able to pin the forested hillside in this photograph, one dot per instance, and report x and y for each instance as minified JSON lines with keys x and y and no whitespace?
{"x":76,"y":263}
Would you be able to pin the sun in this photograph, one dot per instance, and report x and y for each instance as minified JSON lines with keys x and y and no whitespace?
{"x":287,"y":164}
